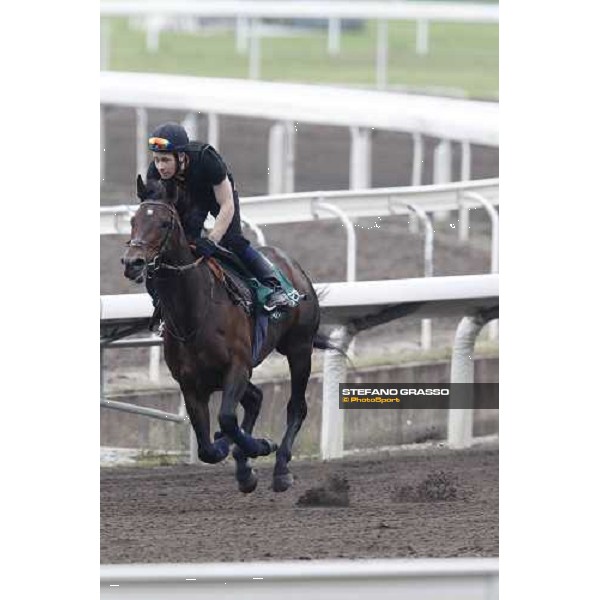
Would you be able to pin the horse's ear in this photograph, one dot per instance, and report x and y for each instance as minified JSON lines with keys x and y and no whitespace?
{"x":142,"y":192}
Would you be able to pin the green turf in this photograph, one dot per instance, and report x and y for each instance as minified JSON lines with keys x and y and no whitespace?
{"x":461,"y":57}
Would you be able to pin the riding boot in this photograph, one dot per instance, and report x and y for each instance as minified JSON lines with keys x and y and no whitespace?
{"x":264,"y":271}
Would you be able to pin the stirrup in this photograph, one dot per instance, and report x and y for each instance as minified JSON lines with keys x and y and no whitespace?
{"x":283,"y":302}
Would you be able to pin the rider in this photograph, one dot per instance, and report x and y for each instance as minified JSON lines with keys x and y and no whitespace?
{"x":209,"y":187}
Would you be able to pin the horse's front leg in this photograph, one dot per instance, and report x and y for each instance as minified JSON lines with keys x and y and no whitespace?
{"x":234,"y":387}
{"x":196,"y":403}
{"x":251,"y":402}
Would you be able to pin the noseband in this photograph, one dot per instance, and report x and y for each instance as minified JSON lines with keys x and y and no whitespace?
{"x":156,"y":263}
{"x":139,"y":243}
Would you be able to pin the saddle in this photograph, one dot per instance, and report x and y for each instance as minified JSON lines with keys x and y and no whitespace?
{"x":245,"y":289}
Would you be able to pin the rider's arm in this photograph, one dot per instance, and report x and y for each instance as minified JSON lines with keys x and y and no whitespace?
{"x":224,"y":196}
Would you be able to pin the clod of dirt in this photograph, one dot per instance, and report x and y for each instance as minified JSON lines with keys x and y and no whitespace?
{"x":334,"y":492}
{"x":436,"y":487}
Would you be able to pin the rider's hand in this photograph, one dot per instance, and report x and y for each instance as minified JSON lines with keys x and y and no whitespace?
{"x":205,"y":247}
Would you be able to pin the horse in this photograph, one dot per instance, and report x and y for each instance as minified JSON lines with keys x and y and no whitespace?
{"x":208,"y":337}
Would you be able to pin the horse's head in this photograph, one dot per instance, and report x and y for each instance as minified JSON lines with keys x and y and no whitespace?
{"x":154,"y":227}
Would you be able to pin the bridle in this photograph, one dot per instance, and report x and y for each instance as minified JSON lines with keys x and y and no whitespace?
{"x":157,"y":264}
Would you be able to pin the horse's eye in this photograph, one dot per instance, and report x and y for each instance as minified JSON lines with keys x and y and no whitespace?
{"x":164,"y":224}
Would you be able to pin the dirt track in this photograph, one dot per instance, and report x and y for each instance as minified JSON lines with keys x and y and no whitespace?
{"x":195,"y":513}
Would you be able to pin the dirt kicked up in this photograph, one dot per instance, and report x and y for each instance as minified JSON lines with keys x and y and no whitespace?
{"x":407,"y":503}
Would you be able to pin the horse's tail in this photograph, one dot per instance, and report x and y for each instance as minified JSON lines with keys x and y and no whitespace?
{"x":323,"y":342}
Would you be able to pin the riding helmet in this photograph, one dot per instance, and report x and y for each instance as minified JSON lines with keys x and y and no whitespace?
{"x":168,"y":137}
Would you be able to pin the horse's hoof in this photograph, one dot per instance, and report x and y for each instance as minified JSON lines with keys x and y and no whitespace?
{"x":281,"y":483}
{"x":248,"y":485}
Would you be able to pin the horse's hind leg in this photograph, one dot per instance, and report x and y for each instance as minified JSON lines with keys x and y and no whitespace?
{"x":299,"y":360}
{"x":244,"y":473}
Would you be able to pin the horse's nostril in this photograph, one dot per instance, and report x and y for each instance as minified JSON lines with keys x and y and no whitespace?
{"x":133,"y":263}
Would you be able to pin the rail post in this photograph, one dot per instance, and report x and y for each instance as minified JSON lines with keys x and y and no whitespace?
{"x":190,"y":124}
{"x":334,"y":373}
{"x":154,"y":25}
{"x":494,"y":249}
{"x":334,"y":363}
{"x":254,"y":59}
{"x":382,"y":53}
{"x":360,"y":158}
{"x":465,"y":175}
{"x":213,"y":130}
{"x":417,"y":174}
{"x":241,"y":35}
{"x":421,"y":215}
{"x":350,"y":235}
{"x":141,"y":137}
{"x":333,"y":36}
{"x":442,"y":170}
{"x":422,"y":37}
{"x":462,"y":370}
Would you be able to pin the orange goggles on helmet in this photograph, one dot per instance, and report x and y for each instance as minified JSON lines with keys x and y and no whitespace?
{"x":157,"y":144}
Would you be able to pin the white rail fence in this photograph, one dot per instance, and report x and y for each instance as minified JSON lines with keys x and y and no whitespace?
{"x":386,"y":579}
{"x":350,"y":205}
{"x":362,"y":111}
{"x":249,"y":18}
{"x":353,"y":307}
{"x":347,"y":206}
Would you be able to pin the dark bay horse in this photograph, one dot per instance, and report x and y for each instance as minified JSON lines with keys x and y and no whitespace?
{"x":208,"y":338}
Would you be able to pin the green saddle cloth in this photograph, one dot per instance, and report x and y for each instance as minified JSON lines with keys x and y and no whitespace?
{"x":260,"y":292}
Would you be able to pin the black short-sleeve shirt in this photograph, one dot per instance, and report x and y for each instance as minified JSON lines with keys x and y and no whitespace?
{"x":212,"y":166}
{"x":206,"y":169}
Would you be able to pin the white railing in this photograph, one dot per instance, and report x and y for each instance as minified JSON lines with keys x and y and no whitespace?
{"x":308,"y":9}
{"x":354,"y":204}
{"x":448,"y":118}
{"x":303,"y":207}
{"x":249,"y":16}
{"x":410,"y":579}
{"x":362,"y":111}
{"x":354,"y":307}
{"x":348,"y":205}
